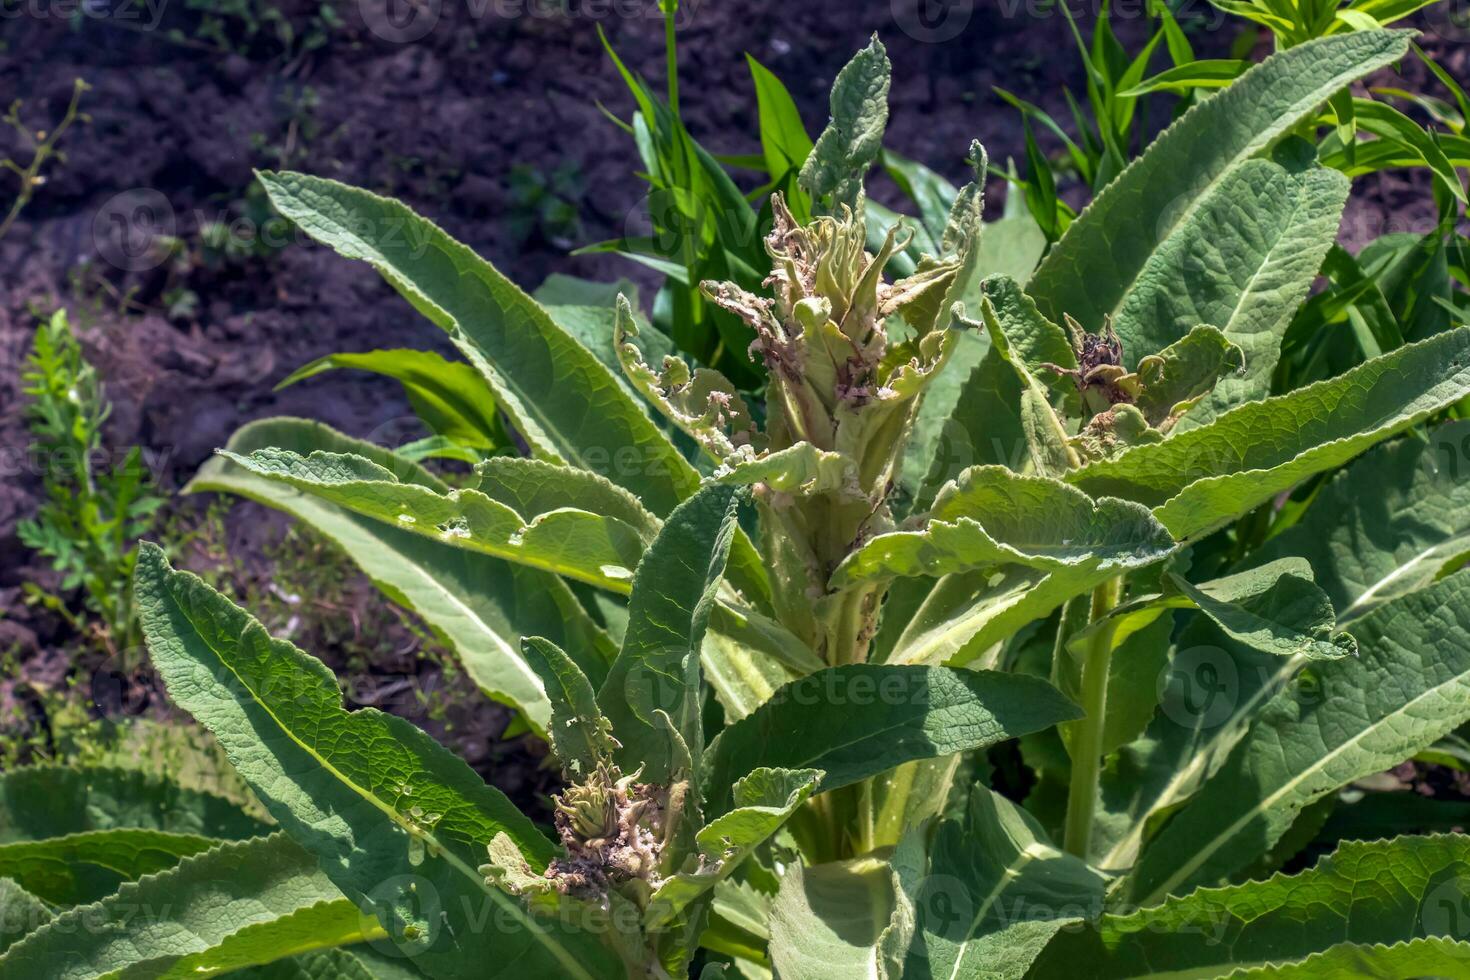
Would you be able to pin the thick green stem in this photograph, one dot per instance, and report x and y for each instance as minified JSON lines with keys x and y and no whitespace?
{"x":1087,"y":740}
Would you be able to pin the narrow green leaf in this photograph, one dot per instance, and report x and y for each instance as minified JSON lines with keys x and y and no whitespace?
{"x":449,"y":396}
{"x":481,"y":606}
{"x":1097,"y":262}
{"x":784,"y":140}
{"x":502,"y":332}
{"x":1200,"y":479}
{"x":389,"y":813}
{"x":856,"y":721}
{"x":658,"y":668}
{"x":240,"y":904}
{"x":578,"y":732}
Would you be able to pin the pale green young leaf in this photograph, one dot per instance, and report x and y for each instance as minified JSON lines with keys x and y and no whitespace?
{"x":837,"y":921}
{"x":993,"y":894}
{"x":1329,"y":725}
{"x":991,"y":516}
{"x":1185,"y":373}
{"x":658,"y":667}
{"x":387,"y":811}
{"x":859,"y":720}
{"x":39,"y":802}
{"x":83,"y":867}
{"x":240,"y":904}
{"x":1241,"y":261}
{"x":1365,"y":893}
{"x":481,"y":606}
{"x":1092,"y":269}
{"x":854,"y":133}
{"x":579,"y":734}
{"x":763,"y":801}
{"x":522,"y":354}
{"x":532,"y":487}
{"x":1198,"y":480}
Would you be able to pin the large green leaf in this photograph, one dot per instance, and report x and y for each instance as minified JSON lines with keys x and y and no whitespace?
{"x":1386,"y":525}
{"x":990,"y":516}
{"x":993,"y":894}
{"x":559,"y":397}
{"x":1332,"y":724}
{"x":1201,"y":479}
{"x":658,"y":667}
{"x":589,"y":547}
{"x":481,"y":606}
{"x":839,"y":920}
{"x":83,"y":867}
{"x":1429,"y":957}
{"x":1242,"y":261}
{"x":237,"y":905}
{"x":856,"y":721}
{"x":1364,"y":893}
{"x":1098,"y":262}
{"x":391,"y":815}
{"x":37,"y":802}
{"x":1011,"y":549}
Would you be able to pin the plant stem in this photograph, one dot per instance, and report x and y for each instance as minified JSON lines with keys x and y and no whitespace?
{"x":671,"y":52}
{"x":1087,"y":740}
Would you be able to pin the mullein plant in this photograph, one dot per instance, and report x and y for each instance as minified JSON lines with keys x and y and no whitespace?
{"x":1149,"y":592}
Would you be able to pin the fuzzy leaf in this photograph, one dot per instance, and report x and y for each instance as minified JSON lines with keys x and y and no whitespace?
{"x":1201,"y":479}
{"x":21,"y":914}
{"x":85,"y":866}
{"x":837,"y":921}
{"x":1242,"y":260}
{"x":854,"y":133}
{"x":589,"y":547}
{"x":993,"y":894}
{"x":856,"y":721}
{"x":1333,"y":723}
{"x":243,"y":903}
{"x":764,"y":800}
{"x":1364,"y":893}
{"x":1178,"y":377}
{"x":658,"y":667}
{"x":38,"y":802}
{"x":1096,"y":264}
{"x":481,"y":606}
{"x":990,"y":516}
{"x":578,"y":732}
{"x":389,"y":813}
{"x":501,"y":331}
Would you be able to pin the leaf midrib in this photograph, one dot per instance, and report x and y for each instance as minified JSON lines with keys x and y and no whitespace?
{"x":570,"y":963}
